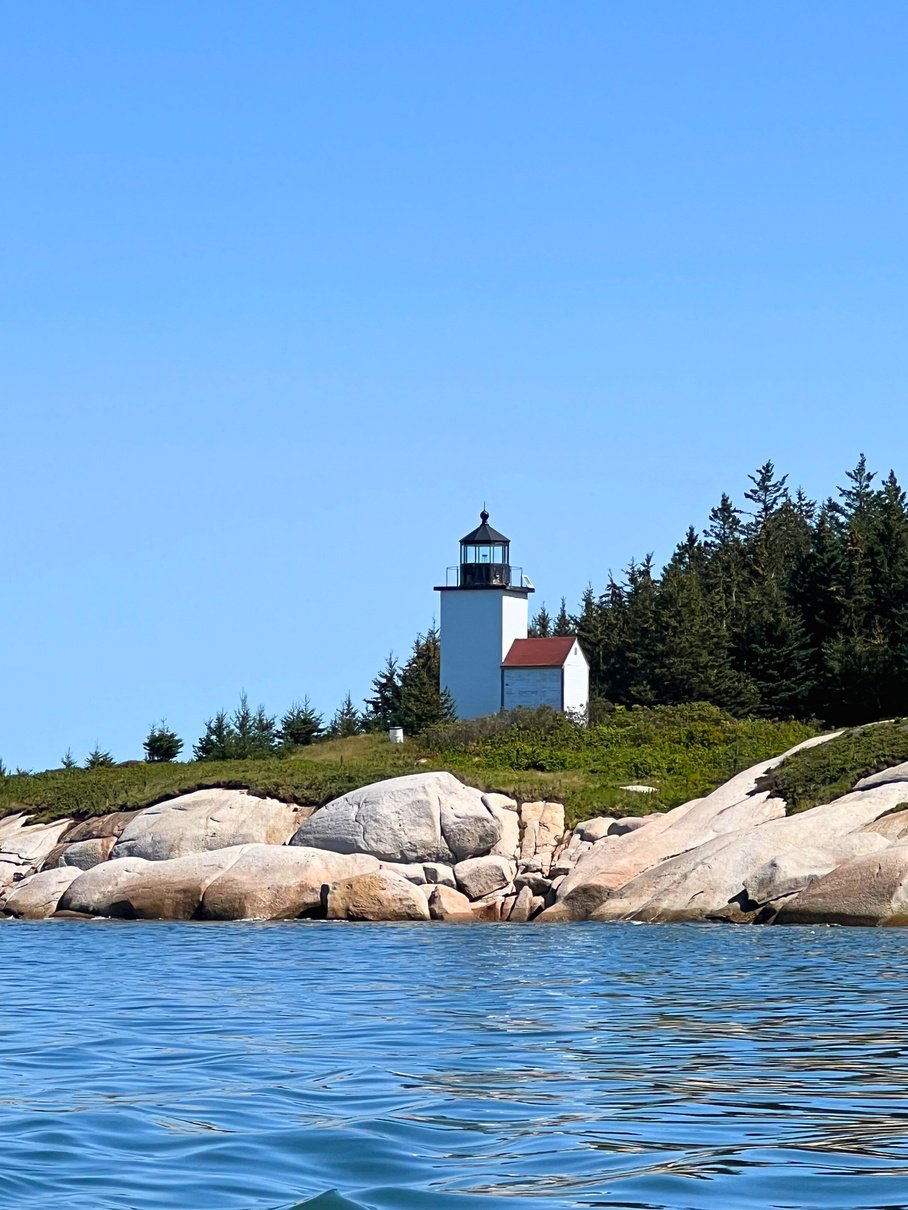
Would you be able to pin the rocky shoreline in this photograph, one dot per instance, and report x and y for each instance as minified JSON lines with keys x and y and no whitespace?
{"x":426,"y":847}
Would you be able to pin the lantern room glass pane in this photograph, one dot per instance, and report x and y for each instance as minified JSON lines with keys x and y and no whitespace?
{"x":484,"y":553}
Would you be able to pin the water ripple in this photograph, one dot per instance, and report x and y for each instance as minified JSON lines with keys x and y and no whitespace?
{"x":332,"y":1067}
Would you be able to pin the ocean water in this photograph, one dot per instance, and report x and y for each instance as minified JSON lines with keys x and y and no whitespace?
{"x":389,"y":1067}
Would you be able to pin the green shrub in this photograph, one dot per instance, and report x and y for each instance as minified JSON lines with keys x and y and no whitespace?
{"x":820,"y":774}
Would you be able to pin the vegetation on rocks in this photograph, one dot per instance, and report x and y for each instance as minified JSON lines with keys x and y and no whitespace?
{"x":682,"y":751}
{"x":819,"y":775}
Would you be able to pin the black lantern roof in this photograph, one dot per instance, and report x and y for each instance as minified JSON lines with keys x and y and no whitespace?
{"x":484,"y":533}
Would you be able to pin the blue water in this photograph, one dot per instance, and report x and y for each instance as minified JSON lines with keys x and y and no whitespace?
{"x":364,"y":1067}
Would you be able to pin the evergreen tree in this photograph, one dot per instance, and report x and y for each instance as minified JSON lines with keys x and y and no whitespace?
{"x":242,"y":728}
{"x":244,"y":735}
{"x":612,"y":660}
{"x":690,"y":554}
{"x":541,"y":624}
{"x":216,"y":743}
{"x":162,"y":744}
{"x":422,"y":702}
{"x":301,"y":725}
{"x":253,"y":733}
{"x":766,"y":495}
{"x":785,"y":543}
{"x":803,"y":507}
{"x":641,"y":630}
{"x":890,"y":563}
{"x":564,"y":623}
{"x":692,"y":662}
{"x":346,"y":721}
{"x":725,"y":573}
{"x":383,"y":707}
{"x":772,"y":650}
{"x":857,"y":497}
{"x":264,"y":733}
{"x":97,"y":759}
{"x":68,"y":761}
{"x":588,"y":628}
{"x":857,"y":668}
{"x":724,"y":529}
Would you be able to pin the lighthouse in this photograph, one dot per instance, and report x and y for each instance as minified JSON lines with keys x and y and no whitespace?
{"x":484,"y":608}
{"x":488,"y":662}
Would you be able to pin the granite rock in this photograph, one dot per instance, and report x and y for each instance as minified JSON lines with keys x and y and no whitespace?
{"x":447,"y":904}
{"x":37,"y":897}
{"x":478,"y":877}
{"x":424,"y":817}
{"x":207,"y":820}
{"x":379,"y":896}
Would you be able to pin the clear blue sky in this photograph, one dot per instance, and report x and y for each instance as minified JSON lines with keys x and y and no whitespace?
{"x":289,"y":289}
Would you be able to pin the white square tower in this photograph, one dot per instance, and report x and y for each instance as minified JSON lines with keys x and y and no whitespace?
{"x":484,"y":608}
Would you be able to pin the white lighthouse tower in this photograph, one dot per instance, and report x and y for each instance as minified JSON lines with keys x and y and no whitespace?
{"x":484,"y":608}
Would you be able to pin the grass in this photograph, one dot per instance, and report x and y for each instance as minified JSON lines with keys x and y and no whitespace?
{"x":683,"y":751}
{"x":818,"y":775}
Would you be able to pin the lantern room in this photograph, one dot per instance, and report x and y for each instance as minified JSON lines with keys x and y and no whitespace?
{"x":485,"y":557}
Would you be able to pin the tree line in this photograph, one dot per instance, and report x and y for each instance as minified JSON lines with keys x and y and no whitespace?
{"x":784,"y":608}
{"x":407,"y":696}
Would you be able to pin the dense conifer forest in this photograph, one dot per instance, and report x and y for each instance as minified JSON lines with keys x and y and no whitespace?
{"x":783,"y":607}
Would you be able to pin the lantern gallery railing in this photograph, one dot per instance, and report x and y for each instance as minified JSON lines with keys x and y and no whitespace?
{"x":486,"y":575}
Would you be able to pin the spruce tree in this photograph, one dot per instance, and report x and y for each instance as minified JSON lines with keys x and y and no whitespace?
{"x":162,"y":744}
{"x":264,"y":734}
{"x":856,"y":667}
{"x":541,"y":624}
{"x":890,"y":560}
{"x":97,"y":759}
{"x":383,"y":706}
{"x":301,"y":725}
{"x":422,"y":701}
{"x":771,"y":649}
{"x":614,"y":668}
{"x":692,"y":661}
{"x":346,"y":720}
{"x":726,"y":571}
{"x":641,"y":630}
{"x":245,"y":734}
{"x":217,"y":741}
{"x":589,"y":630}
{"x":564,"y":624}
{"x":766,"y":495}
{"x":242,"y":728}
{"x":857,"y":497}
{"x":724,"y":528}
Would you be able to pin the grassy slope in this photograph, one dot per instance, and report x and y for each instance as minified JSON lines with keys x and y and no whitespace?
{"x":683,"y":751}
{"x":821,"y":774}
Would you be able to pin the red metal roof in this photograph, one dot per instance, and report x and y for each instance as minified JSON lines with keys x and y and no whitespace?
{"x":539,"y":653}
